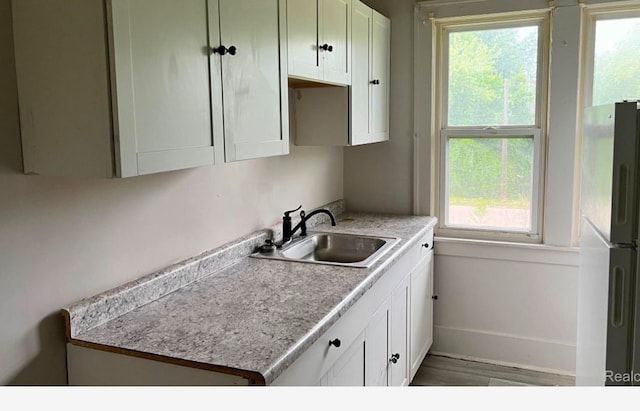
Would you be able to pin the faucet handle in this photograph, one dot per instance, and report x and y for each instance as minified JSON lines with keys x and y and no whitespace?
{"x":303,"y":223}
{"x":286,"y":213}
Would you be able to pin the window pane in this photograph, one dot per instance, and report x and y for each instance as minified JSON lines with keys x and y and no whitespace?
{"x":492,"y":77}
{"x":490,"y":182}
{"x":616,"y":65}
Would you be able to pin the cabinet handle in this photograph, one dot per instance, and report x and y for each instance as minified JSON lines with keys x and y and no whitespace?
{"x":327,"y":47}
{"x":425,"y":245}
{"x":222,"y":50}
{"x":336,"y":343}
{"x":394,"y":358}
{"x":434,"y":297}
{"x":375,"y":82}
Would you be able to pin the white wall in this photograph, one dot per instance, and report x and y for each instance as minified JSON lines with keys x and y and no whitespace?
{"x":65,"y":239}
{"x":510,"y":305}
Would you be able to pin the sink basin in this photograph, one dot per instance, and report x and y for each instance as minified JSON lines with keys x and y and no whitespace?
{"x":333,"y":248}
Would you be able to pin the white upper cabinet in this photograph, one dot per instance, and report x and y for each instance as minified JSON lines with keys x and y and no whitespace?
{"x":358,"y":114}
{"x":302,"y":37}
{"x":173,"y":84}
{"x":254,"y":78}
{"x":361,"y":88}
{"x":370,"y":82}
{"x":160,"y":78}
{"x":379,"y":78}
{"x":335,"y":43}
{"x":319,"y":40}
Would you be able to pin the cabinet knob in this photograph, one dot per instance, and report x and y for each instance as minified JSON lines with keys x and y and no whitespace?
{"x":327,"y":47}
{"x":375,"y":82}
{"x":222,"y":50}
{"x":394,"y":358}
{"x":425,"y":245}
{"x":434,"y":297}
{"x":336,"y":343}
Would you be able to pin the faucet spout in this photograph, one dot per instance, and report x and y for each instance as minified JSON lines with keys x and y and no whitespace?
{"x":287,"y":232}
{"x":320,"y":211}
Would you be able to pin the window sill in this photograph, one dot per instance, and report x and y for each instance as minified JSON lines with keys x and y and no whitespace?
{"x":506,"y":251}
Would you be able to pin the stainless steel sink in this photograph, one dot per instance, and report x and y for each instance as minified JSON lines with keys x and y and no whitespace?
{"x":333,"y":248}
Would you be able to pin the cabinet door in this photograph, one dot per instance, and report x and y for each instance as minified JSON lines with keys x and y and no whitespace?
{"x":421,"y":311}
{"x":64,"y":96}
{"x":302,"y":38}
{"x":349,"y":369}
{"x":380,"y":68}
{"x":160,"y":72}
{"x":335,"y":26}
{"x":254,"y":79}
{"x":377,"y":346}
{"x":361,"y":43}
{"x":399,"y":365}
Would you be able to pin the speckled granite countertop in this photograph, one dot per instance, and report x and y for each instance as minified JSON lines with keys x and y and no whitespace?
{"x":253,"y":318}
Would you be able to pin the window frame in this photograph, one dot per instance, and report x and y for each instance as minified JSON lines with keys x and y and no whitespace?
{"x":441,"y":30}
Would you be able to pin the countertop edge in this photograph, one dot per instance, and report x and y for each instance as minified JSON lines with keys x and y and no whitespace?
{"x":255,"y":378}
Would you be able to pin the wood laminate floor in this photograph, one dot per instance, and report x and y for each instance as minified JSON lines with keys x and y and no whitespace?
{"x":444,"y":371}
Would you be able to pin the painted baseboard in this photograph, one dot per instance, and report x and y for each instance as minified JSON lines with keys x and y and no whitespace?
{"x":504,"y":349}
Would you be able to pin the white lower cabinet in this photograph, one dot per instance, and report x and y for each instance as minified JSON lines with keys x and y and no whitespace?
{"x":377,"y":347}
{"x":379,"y":355}
{"x":421,"y":310}
{"x":400,"y":332}
{"x":349,"y":367}
{"x":384,"y":337}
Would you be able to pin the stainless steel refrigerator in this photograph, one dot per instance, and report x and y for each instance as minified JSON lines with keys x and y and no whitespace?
{"x":608,"y":346}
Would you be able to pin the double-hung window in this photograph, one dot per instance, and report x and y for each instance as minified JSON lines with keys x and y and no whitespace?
{"x":490,"y":113}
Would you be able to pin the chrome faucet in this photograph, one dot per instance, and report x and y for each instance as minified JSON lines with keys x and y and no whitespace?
{"x":288,"y":232}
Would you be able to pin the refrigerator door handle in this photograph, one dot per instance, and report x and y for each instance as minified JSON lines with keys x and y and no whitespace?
{"x":622,"y":189}
{"x":621,"y":307}
{"x":624,"y":197}
{"x":617,"y":297}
